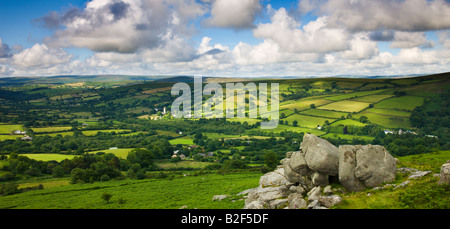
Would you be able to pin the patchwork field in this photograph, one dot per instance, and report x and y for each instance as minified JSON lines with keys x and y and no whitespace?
{"x":324,"y":113}
{"x":345,"y":106}
{"x":372,"y":98}
{"x":9,"y":137}
{"x":401,"y":103}
{"x":51,"y":129}
{"x":354,"y":95}
{"x":386,"y":120}
{"x":6,"y":129}
{"x":120,"y":153}
{"x":348,"y":122}
{"x":389,"y":112}
{"x":182,"y":141}
{"x":347,"y":136}
{"x":49,"y":157}
{"x":307,"y":121}
{"x":303,"y":104}
{"x":283,"y":128}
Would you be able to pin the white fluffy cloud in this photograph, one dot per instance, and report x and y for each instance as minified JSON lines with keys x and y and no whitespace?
{"x":410,"y":40}
{"x":314,"y":37}
{"x":41,"y":56}
{"x":125,"y":26}
{"x":237,"y":14}
{"x":154,"y":37}
{"x":370,"y":15}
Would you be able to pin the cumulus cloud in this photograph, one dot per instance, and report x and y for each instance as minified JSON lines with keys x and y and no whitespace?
{"x":314,"y":37}
{"x":371,"y":15}
{"x":41,"y":56}
{"x":237,"y":14}
{"x":410,"y":40}
{"x":123,"y":26}
{"x":361,"y":47}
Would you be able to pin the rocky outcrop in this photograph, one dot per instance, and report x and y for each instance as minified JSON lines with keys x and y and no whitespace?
{"x":445,"y":174}
{"x":320,"y":155}
{"x":297,"y":183}
{"x":365,"y":166}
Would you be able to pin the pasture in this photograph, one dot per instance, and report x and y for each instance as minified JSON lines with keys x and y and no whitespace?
{"x":49,"y":157}
{"x":306,"y":121}
{"x":7,"y":129}
{"x":303,"y":104}
{"x":348,"y":122}
{"x":354,"y":95}
{"x":120,"y":153}
{"x":324,"y":113}
{"x":346,"y":106}
{"x":401,"y":103}
{"x":169,"y":193}
{"x":54,"y":129}
{"x":182,"y":141}
{"x":388,"y":121}
{"x":372,"y":98}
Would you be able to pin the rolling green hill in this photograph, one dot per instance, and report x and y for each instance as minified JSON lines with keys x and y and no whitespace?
{"x":71,"y":122}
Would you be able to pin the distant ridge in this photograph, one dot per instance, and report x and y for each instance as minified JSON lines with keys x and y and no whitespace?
{"x":64,"y":79}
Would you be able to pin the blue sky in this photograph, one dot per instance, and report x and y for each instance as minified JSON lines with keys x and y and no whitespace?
{"x":224,"y":37}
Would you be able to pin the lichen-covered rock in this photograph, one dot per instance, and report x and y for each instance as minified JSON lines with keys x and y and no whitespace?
{"x":320,"y":155}
{"x":375,"y":165}
{"x":445,"y":174}
{"x":296,"y":201}
{"x":329,"y":201}
{"x":347,"y":165}
{"x":298,"y":164}
{"x":267,"y":194}
{"x":275,"y":178}
{"x":365,"y":166}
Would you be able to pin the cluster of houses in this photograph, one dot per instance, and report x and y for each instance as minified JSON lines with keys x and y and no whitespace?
{"x":401,"y":132}
{"x":24,"y":133}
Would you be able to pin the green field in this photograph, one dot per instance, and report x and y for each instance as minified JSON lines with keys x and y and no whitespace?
{"x":401,"y":103}
{"x":6,"y":129}
{"x":324,"y":113}
{"x":386,"y":120}
{"x":389,"y":112}
{"x":9,"y":137}
{"x":49,"y":157}
{"x":372,"y":98}
{"x":165,"y":164}
{"x":67,"y":133}
{"x":120,"y":153}
{"x":190,"y":191}
{"x":182,"y":141}
{"x":307,"y":121}
{"x":348,"y":122}
{"x":51,"y":129}
{"x":354,"y":95}
{"x":345,"y":106}
{"x":303,"y":104}
{"x":347,"y":136}
{"x":281,"y":128}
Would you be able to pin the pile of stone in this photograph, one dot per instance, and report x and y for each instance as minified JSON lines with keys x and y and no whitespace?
{"x":298,"y":182}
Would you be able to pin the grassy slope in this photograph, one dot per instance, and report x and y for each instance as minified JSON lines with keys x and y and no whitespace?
{"x":197,"y":191}
{"x":192,"y":191}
